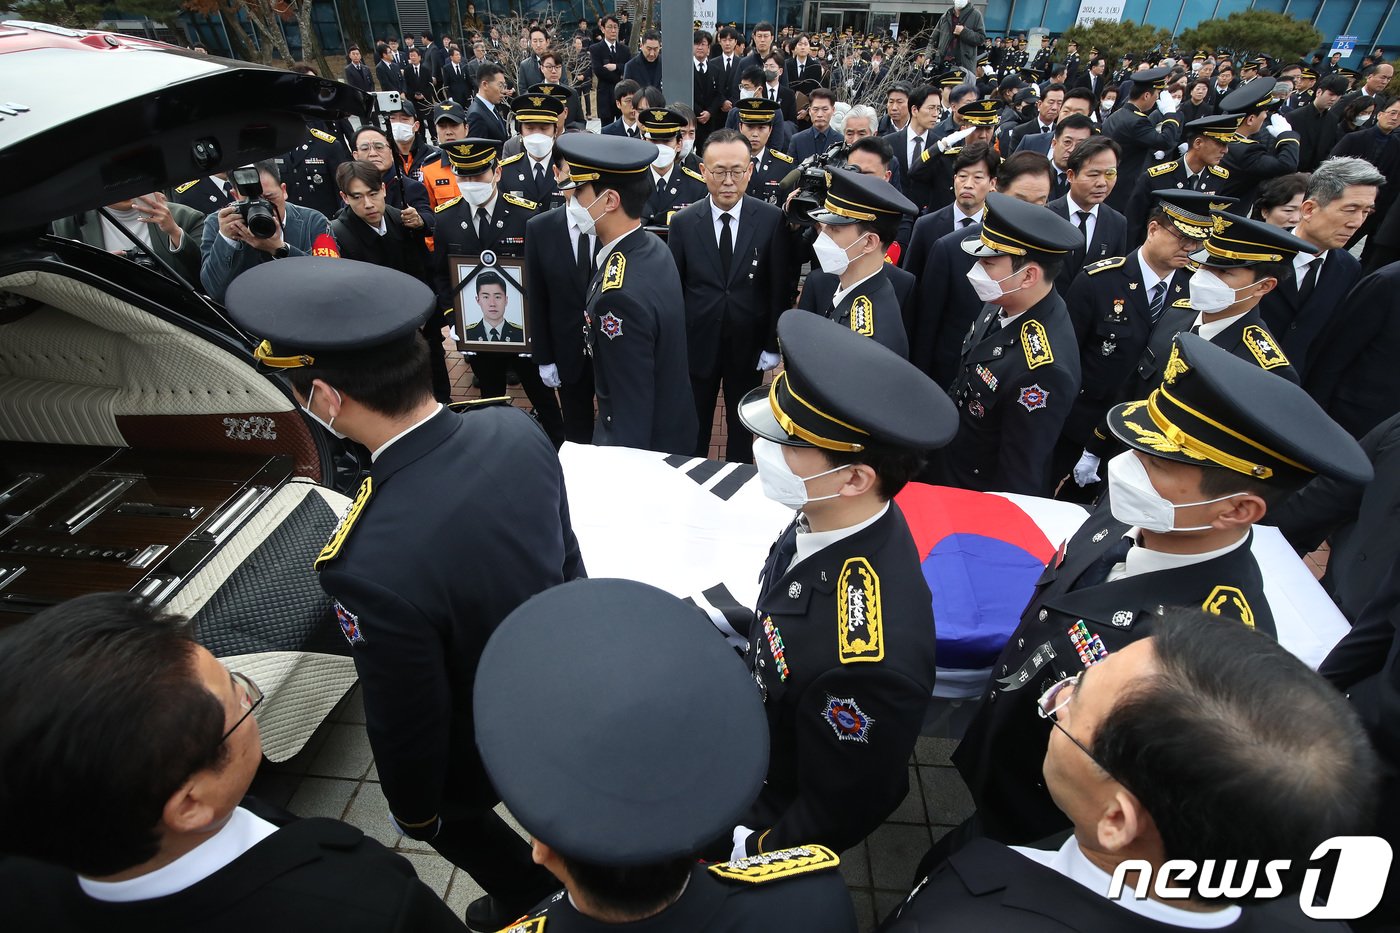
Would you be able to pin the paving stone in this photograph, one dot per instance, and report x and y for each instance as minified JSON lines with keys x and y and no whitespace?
{"x":370,"y":812}
{"x":865,"y":910}
{"x":911,"y":809}
{"x":462,"y":892}
{"x":433,"y":870}
{"x":931,"y":750}
{"x":855,"y":866}
{"x":321,"y":797}
{"x":345,"y":753}
{"x":945,"y":796}
{"x":351,"y":708}
{"x":886,"y":902}
{"x":895,"y":851}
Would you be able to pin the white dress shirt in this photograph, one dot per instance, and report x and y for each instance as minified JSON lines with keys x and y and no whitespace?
{"x":909,"y":150}
{"x":715,"y":211}
{"x":1145,"y":560}
{"x":1089,"y":225}
{"x":412,"y":427}
{"x":1149,"y":277}
{"x":810,"y":542}
{"x":1211,"y":330}
{"x":842,"y":290}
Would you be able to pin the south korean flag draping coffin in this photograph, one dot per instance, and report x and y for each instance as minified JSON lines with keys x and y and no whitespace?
{"x":701,"y":529}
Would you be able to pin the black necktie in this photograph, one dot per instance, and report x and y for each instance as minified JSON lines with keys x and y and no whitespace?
{"x":660,"y":184}
{"x":772,"y":94}
{"x":726,"y":244}
{"x":495,"y":335}
{"x":1098,"y":571}
{"x":702,"y":67}
{"x":483,"y":223}
{"x":585,"y":259}
{"x":539,"y":178}
{"x":1083,"y":224}
{"x":918,"y":151}
{"x":1310,"y":279}
{"x":966,"y":222}
{"x":786,"y":550}
{"x":1158,"y":302}
{"x":228,"y":190}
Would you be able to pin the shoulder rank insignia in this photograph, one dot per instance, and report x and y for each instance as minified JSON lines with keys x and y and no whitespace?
{"x":445,"y":205}
{"x":1182,"y":303}
{"x":526,"y":925}
{"x":781,"y":155}
{"x":863,"y":317}
{"x":1263,"y":347}
{"x":692,"y":173}
{"x":323,"y":136}
{"x":475,"y":404}
{"x":519,"y":201}
{"x":186,"y":186}
{"x":512,"y":159}
{"x":771,"y":866}
{"x":1112,"y":262}
{"x":860,"y":633}
{"x":1229,"y":602}
{"x":347,"y":521}
{"x":1219,"y":171}
{"x":1163,"y":168}
{"x":613,"y":272}
{"x":1036,"y":344}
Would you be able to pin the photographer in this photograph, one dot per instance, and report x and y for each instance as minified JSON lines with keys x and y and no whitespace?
{"x":230,"y":247}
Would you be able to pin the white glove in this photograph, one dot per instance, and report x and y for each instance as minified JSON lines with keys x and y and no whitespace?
{"x":1278,"y":123}
{"x":1182,"y":148}
{"x":1086,"y":471}
{"x":1167,"y":103}
{"x":741,"y":839}
{"x":948,"y":142}
{"x":767,"y":361}
{"x":549,"y":375}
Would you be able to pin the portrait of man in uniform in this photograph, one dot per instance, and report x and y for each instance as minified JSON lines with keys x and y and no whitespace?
{"x":491,"y":304}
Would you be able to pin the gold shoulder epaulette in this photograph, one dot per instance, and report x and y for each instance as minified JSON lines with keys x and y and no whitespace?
{"x":773,"y":866}
{"x":518,"y":201}
{"x":1036,"y":344}
{"x":472,"y":404}
{"x":781,"y":155}
{"x":614,"y":271}
{"x":692,"y":173}
{"x":1163,"y":168}
{"x":1112,"y":262}
{"x":323,"y":136}
{"x":186,"y":186}
{"x":1229,"y":601}
{"x":1263,"y":347}
{"x":445,"y":205}
{"x":1219,"y":171}
{"x":515,"y":158}
{"x":1182,"y":303}
{"x":526,"y":925}
{"x":347,"y":521}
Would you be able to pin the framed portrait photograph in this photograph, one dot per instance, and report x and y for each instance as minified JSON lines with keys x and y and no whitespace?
{"x":492,"y":310}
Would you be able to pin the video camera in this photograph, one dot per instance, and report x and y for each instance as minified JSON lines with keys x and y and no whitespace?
{"x":811,"y":183}
{"x":256,"y":212}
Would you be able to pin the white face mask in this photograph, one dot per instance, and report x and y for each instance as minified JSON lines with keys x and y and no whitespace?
{"x":959,"y":4}
{"x":579,"y":214}
{"x":1359,"y":122}
{"x":687,"y":147}
{"x":986,"y":287}
{"x":476,"y":193}
{"x":745,"y":94}
{"x":777,"y":479}
{"x":1133,"y":499}
{"x":1211,"y":295}
{"x":328,"y":425}
{"x":403,"y":132}
{"x":832,"y":258}
{"x":539,"y":145}
{"x":665,"y":155}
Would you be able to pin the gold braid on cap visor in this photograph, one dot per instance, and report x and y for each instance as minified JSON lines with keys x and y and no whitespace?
{"x":796,"y":430}
{"x":263,"y":354}
{"x":1199,"y":447}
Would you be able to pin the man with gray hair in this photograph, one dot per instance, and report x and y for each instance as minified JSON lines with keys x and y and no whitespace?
{"x":861,"y":121}
{"x":1307,"y":306}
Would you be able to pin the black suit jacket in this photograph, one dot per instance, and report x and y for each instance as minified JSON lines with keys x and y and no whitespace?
{"x":987,"y":886}
{"x":1002,"y":752}
{"x":916,"y":189}
{"x":483,"y":124}
{"x":1317,"y":134}
{"x":1299,"y":325}
{"x":811,"y":71}
{"x":599,"y":55}
{"x":1353,"y":373}
{"x":424,"y":612}
{"x":945,"y":307}
{"x":1110,"y":239}
{"x":742,"y":307}
{"x":398,"y":248}
{"x":707,"y":93}
{"x":309,"y":874}
{"x":420,"y":83}
{"x":390,"y":76}
{"x":457,"y":83}
{"x":557,"y":294}
{"x":359,"y":76}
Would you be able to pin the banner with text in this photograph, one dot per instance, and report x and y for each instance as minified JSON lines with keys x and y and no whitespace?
{"x":1091,"y":10}
{"x":706,"y":14}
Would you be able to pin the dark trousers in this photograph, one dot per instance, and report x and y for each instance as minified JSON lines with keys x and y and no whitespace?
{"x":437,"y":361}
{"x":491,"y":368}
{"x":735,"y":370}
{"x":607,"y":107}
{"x":576,"y":400}
{"x":484,"y":846}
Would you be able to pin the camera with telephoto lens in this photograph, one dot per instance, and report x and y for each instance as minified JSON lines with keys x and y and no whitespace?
{"x":254,"y":209}
{"x":811,"y":183}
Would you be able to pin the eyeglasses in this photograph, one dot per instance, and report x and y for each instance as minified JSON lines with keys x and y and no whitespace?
{"x":726,"y":174}
{"x":1055,"y":699}
{"x":249,"y":701}
{"x":372,"y":147}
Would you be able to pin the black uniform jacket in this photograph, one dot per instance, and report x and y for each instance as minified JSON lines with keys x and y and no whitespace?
{"x":683,"y":187}
{"x":1254,"y":160}
{"x":456,"y":235}
{"x":842,"y":649}
{"x":636,"y":336}
{"x":871,"y":309}
{"x":740,"y":310}
{"x":1015,"y":388}
{"x":768,"y":173}
{"x":556,"y":288}
{"x":463,"y":519}
{"x":518,"y":177}
{"x":798,"y":891}
{"x":818,"y":288}
{"x":1141,"y":135}
{"x":1108,"y":305}
{"x":1061,"y":632}
{"x":1172,"y":174}
{"x":987,"y":886}
{"x":314,"y":874}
